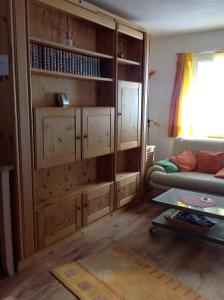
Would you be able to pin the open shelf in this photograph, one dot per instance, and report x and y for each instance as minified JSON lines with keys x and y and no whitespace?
{"x":123,"y":61}
{"x":81,"y":188}
{"x":71,"y":49}
{"x":122,"y":175}
{"x":215,"y":234}
{"x":56,"y":74}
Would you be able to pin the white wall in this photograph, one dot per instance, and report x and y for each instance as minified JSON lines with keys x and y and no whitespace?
{"x":163,"y":59}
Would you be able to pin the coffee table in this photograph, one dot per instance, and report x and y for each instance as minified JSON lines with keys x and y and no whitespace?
{"x":172,"y":200}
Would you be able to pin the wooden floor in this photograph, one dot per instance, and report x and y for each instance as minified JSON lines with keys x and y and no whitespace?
{"x":199,"y":264}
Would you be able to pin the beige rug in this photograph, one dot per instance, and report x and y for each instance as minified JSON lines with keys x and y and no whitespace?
{"x":119,"y":274}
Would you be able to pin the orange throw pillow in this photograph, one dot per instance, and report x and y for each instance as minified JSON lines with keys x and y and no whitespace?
{"x":220,"y":173}
{"x":209,"y":161}
{"x":186,"y":160}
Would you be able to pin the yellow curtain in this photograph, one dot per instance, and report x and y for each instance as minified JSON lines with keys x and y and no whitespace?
{"x":182,"y":82}
{"x":184,"y":115}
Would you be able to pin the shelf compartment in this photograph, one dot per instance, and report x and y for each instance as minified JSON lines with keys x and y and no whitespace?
{"x":76,"y":190}
{"x":71,"y":49}
{"x":56,"y":74}
{"x":97,"y":202}
{"x":123,"y":175}
{"x":123,"y":61}
{"x":127,"y":187}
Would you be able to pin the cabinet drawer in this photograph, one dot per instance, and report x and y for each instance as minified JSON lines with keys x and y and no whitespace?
{"x":127,"y":189}
{"x":58,"y":220}
{"x":97,"y":203}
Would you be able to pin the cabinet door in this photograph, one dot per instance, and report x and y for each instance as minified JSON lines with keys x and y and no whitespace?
{"x":58,"y":220}
{"x":57,"y":134}
{"x":127,"y":190}
{"x":97,"y":203}
{"x":129,"y":114}
{"x":98,"y":131}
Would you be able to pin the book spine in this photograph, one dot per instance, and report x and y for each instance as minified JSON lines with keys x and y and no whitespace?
{"x":32,"y":55}
{"x":48,"y":60}
{"x":45,"y":58}
{"x":70,"y":61}
{"x":40,"y":56}
{"x":98,"y":68}
{"x":35,"y":56}
{"x":63,"y":61}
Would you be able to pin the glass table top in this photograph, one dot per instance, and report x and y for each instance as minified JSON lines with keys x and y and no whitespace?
{"x":173,"y":197}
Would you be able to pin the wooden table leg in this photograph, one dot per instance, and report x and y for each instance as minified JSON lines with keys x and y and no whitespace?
{"x":5,"y":223}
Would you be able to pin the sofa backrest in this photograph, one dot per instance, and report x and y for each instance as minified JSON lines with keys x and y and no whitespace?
{"x":180,"y":144}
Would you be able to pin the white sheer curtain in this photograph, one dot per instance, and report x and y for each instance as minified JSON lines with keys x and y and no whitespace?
{"x":204,"y":107}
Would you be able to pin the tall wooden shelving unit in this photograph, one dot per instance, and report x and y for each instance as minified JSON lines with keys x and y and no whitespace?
{"x":87,"y":160}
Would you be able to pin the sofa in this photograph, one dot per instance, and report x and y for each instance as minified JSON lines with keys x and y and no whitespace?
{"x":160,"y":180}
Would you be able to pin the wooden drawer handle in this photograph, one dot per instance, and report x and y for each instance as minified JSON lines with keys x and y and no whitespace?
{"x":78,"y":137}
{"x":85,"y":205}
{"x":85,"y":136}
{"x":78,"y":207}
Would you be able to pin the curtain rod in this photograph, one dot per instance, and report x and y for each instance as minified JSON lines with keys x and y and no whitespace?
{"x":201,"y":52}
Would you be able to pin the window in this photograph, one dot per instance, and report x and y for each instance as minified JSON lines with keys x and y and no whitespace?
{"x":202,"y":107}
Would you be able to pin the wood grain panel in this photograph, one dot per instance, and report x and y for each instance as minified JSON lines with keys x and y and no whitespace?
{"x":129,"y":114}
{"x":80,"y":93}
{"x":24,"y":117}
{"x":98,"y":131}
{"x":80,"y":12}
{"x":96,"y":203}
{"x":56,"y":133}
{"x":64,"y":178}
{"x":127,"y":187}
{"x":130,"y":31}
{"x":57,"y":221}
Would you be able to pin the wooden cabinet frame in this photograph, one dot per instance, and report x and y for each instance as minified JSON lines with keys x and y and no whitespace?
{"x":21,"y":83}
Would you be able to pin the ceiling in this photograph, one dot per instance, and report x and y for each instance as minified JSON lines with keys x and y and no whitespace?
{"x":169,"y":17}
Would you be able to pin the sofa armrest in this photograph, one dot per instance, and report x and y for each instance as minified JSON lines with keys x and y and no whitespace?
{"x":152,"y":169}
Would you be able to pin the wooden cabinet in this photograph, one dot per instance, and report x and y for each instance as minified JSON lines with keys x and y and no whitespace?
{"x":55,"y":221}
{"x":129,"y":114}
{"x":103,"y":71}
{"x":127,"y":187}
{"x":97,"y":202}
{"x":58,"y":136}
{"x":97,"y":131}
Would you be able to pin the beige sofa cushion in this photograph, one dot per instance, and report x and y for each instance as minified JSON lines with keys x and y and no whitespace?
{"x":189,"y":180}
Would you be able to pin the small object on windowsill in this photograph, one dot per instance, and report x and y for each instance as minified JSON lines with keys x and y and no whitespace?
{"x":62,"y":100}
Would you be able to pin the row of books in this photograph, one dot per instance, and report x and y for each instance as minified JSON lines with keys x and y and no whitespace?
{"x":48,"y":58}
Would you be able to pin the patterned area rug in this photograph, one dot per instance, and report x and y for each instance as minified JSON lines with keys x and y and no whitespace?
{"x":119,"y":274}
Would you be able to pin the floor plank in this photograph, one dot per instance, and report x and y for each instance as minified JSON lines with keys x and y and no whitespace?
{"x":199,"y":264}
